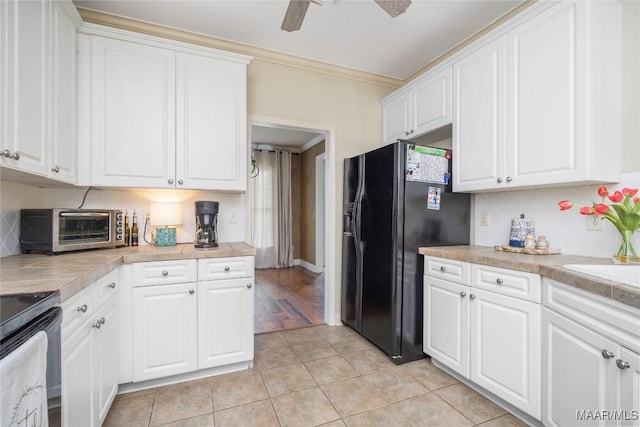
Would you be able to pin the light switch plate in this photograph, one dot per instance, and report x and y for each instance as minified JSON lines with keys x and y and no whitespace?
{"x":484,"y":219}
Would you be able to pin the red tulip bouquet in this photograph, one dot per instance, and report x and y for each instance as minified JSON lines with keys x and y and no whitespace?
{"x":623,"y":213}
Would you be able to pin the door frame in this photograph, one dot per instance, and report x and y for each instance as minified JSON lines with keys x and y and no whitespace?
{"x":331,"y":291}
{"x":321,"y":198}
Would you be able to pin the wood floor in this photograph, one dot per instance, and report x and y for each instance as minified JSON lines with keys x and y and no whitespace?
{"x":288,"y":298}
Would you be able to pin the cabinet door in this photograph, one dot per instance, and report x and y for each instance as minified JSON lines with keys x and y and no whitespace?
{"x":165,"y":330}
{"x":211,"y":123}
{"x":446,"y":323}
{"x":106,"y":355}
{"x":431,"y":103}
{"x":25,"y":85}
{"x":630,"y":384}
{"x":546,"y":98}
{"x":78,"y":378}
{"x":395,"y":118}
{"x":63,"y":94}
{"x":505,"y":349}
{"x":479,"y":119}
{"x":132,"y":114}
{"x":225,"y":322}
{"x":576,"y":374}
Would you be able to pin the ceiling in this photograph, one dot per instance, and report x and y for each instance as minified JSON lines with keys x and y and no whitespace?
{"x":284,"y":137}
{"x":356,"y":34}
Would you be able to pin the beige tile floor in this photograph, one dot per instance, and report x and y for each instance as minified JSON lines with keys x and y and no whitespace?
{"x":319,"y":376}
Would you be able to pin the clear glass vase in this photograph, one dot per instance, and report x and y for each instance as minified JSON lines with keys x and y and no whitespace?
{"x":627,"y":244}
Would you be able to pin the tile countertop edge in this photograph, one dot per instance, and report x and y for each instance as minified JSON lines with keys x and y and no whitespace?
{"x":31,"y":273}
{"x":549,"y":266}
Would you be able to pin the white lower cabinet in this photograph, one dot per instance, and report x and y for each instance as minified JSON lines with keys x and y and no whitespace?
{"x":225,"y":322}
{"x":90,"y":353}
{"x":165,"y":332}
{"x":488,"y":337}
{"x":589,"y":377}
{"x":190,"y":315}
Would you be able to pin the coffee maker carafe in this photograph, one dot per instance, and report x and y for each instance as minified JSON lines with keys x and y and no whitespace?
{"x":206,"y":224}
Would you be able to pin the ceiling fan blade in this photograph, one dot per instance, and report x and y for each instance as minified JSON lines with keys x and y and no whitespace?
{"x":295,"y":15}
{"x":394,"y":7}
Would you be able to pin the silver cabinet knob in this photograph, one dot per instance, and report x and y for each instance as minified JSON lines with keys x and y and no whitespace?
{"x":226,"y":268}
{"x":170,"y":181}
{"x":55,"y":169}
{"x":509,"y":179}
{"x":443,"y":268}
{"x":463,"y":294}
{"x":97,"y":325}
{"x":406,"y":132}
{"x":249,"y":285}
{"x":499,"y":281}
{"x":499,"y":180}
{"x":16,"y":156}
{"x":192,"y":291}
{"x":472,"y":296}
{"x":622,"y":364}
{"x":165,"y":273}
{"x":5,"y":153}
{"x":102,"y":320}
{"x":112,"y":285}
{"x":83,"y":308}
{"x":8,"y":155}
{"x":412,"y":131}
{"x":180,"y":182}
{"x":607,"y":354}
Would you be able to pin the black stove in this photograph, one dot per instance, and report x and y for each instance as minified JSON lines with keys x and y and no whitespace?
{"x":16,"y":311}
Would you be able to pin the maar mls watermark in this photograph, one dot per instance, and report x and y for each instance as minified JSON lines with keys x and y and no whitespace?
{"x":607,"y":415}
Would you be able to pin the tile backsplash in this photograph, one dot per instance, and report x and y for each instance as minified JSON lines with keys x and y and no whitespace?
{"x":566,"y":230}
{"x":16,"y":196}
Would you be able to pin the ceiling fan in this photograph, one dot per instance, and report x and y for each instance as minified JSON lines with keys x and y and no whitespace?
{"x":298,"y":8}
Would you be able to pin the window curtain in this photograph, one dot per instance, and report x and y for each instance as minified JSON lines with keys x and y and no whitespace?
{"x":272,"y":224}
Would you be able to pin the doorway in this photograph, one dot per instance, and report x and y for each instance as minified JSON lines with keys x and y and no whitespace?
{"x":294,"y":297}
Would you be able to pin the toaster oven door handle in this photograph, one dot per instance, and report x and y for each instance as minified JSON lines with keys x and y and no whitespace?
{"x":85,"y":214}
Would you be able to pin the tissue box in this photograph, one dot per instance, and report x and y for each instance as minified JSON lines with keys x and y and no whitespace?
{"x":165,"y":236}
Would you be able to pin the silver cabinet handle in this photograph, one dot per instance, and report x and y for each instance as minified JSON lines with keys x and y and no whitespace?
{"x":192,"y":291}
{"x":180,"y":182}
{"x":165,"y":273}
{"x":499,"y":180}
{"x":443,"y":268}
{"x":170,"y":181}
{"x":463,"y":294}
{"x":97,"y":325}
{"x":226,"y":268}
{"x":472,"y":296}
{"x":83,"y":308}
{"x":112,"y":285}
{"x":509,"y":179}
{"x":499,"y":281}
{"x":622,"y":364}
{"x":249,"y":285}
{"x":55,"y":169}
{"x":8,"y":155}
{"x":607,"y":354}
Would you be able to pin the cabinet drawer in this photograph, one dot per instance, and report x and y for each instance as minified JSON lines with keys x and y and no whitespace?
{"x":164,"y":272}
{"x":519,"y":284}
{"x":447,"y":269}
{"x":225,"y":268}
{"x":106,"y":287}
{"x":78,"y":309}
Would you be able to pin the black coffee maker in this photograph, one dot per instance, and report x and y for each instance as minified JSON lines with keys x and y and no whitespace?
{"x":206,"y":224}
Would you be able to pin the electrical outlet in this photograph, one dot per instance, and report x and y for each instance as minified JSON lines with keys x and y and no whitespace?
{"x":594,"y":222}
{"x":484,"y":219}
{"x":233,"y":217}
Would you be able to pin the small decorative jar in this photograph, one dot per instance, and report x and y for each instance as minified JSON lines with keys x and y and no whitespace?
{"x":529,"y":242}
{"x":542,"y":244}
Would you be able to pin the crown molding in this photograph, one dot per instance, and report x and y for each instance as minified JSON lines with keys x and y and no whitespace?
{"x":265,"y":55}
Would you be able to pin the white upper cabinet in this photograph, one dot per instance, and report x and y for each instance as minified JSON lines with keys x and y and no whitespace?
{"x":132,"y":114}
{"x":38,"y":70}
{"x":552,"y":114}
{"x":424,"y":105}
{"x":163,"y":114}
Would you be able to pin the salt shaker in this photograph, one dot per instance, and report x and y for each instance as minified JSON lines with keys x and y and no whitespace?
{"x":529,"y":242}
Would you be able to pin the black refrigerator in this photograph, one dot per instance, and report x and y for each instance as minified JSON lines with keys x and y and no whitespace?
{"x":397,"y":198}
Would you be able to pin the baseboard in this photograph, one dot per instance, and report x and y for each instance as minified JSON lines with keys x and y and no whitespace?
{"x":307,"y":265}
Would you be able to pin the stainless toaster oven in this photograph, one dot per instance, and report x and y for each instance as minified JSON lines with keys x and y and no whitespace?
{"x":62,"y":230}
